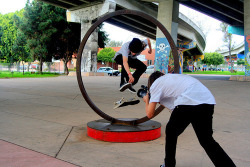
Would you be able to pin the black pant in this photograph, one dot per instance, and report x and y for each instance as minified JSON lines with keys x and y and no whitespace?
{"x":133,"y":63}
{"x":200,"y":117}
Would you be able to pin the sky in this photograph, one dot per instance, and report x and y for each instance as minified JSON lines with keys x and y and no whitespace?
{"x":11,"y":5}
{"x":214,"y":35}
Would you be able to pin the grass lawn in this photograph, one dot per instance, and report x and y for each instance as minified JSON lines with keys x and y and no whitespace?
{"x":7,"y":74}
{"x":216,"y":72}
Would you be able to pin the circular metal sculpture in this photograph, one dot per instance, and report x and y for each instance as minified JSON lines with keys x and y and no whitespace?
{"x":79,"y":58}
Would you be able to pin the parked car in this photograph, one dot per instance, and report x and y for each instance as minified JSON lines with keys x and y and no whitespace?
{"x":108,"y":70}
{"x":150,"y":69}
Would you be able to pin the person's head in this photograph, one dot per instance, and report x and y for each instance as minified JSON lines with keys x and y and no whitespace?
{"x":135,"y":46}
{"x":155,"y":75}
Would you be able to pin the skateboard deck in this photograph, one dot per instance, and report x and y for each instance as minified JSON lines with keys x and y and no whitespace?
{"x":123,"y":102}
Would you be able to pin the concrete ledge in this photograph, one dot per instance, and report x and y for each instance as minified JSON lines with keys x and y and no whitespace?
{"x":239,"y":78}
{"x":87,"y":74}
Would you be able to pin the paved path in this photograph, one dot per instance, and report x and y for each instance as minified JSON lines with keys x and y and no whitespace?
{"x":43,"y":121}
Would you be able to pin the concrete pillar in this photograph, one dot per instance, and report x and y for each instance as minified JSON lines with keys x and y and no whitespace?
{"x":168,"y":15}
{"x":89,"y":56}
{"x":85,"y":16}
{"x":247,"y":36}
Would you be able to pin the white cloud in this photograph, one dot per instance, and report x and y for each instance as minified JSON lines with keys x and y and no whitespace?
{"x":11,"y":5}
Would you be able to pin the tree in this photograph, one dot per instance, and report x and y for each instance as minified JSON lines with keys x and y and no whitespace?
{"x":102,"y":37}
{"x":8,"y":37}
{"x":240,"y":62}
{"x":66,"y":42}
{"x":227,"y":38}
{"x":38,"y":24}
{"x":19,"y":48}
{"x":213,"y":58}
{"x":106,"y":55}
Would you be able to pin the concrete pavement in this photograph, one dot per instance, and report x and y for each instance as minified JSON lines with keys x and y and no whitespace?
{"x":47,"y":117}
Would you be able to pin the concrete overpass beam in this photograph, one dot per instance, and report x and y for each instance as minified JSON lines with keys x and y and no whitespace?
{"x":247,"y":36}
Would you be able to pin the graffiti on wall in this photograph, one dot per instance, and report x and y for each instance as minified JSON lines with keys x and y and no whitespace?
{"x":247,"y":57}
{"x":199,"y":58}
{"x":186,"y":45}
{"x":162,"y":55}
{"x":180,"y":53}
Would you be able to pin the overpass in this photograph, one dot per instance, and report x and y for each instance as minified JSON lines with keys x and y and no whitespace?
{"x":237,"y":52}
{"x":185,"y":33}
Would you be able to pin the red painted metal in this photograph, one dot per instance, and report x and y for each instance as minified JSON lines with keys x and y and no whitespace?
{"x":124,"y":137}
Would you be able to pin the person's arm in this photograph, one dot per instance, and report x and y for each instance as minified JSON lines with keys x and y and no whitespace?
{"x":149,"y":107}
{"x":125,"y":64}
{"x":149,"y":45}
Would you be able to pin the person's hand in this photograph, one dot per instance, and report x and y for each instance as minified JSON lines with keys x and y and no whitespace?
{"x":146,"y":98}
{"x":131,"y":78}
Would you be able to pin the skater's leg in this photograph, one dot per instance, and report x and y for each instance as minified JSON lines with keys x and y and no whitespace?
{"x":139,"y":66}
{"x":124,"y":74}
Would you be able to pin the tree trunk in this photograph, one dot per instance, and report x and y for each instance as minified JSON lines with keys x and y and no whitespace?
{"x":18,"y":66}
{"x":107,"y":64}
{"x":23,"y":68}
{"x":41,"y":65}
{"x":66,"y":70}
{"x":28,"y":68}
{"x":231,"y":62}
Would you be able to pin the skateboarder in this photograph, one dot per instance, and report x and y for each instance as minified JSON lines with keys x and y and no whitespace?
{"x":127,"y":57}
{"x":191,"y":102}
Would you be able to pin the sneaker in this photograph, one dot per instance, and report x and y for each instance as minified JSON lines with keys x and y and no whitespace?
{"x":124,"y":86}
{"x":131,"y":89}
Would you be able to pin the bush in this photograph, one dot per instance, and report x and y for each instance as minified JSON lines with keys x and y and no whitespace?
{"x":186,"y":70}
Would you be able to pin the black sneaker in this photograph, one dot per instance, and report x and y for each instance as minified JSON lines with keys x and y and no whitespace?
{"x":124,"y":86}
{"x":131,"y":89}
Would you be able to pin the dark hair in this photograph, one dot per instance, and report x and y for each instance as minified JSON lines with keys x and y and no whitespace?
{"x":155,"y":75}
{"x":135,"y":45}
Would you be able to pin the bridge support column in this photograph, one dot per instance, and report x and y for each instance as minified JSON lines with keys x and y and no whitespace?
{"x":168,"y":12}
{"x":247,"y":36}
{"x":89,"y":58}
{"x":86,"y":16}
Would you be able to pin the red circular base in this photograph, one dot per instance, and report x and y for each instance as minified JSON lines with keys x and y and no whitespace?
{"x":105,"y":131}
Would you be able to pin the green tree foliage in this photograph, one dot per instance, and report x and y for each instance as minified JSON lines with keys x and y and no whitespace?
{"x":240,"y":62}
{"x":106,"y":55}
{"x":38,"y":24}
{"x":102,"y":37}
{"x":46,"y":32}
{"x":213,"y":58}
{"x":66,"y":43}
{"x":8,"y":35}
{"x":19,"y":48}
{"x":1,"y":34}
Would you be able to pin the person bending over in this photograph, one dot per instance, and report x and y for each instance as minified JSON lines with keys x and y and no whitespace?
{"x":191,"y":102}
{"x":127,"y":57}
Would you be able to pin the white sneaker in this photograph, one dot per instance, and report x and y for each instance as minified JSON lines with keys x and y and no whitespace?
{"x":124,"y":86}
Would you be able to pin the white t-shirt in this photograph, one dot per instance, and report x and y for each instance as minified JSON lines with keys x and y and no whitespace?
{"x":172,"y":90}
{"x":124,"y":51}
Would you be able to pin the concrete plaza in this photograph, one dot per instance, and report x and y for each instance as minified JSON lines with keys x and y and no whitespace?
{"x":43,"y":123}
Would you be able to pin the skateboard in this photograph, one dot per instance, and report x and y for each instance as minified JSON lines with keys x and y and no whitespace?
{"x":123,"y":102}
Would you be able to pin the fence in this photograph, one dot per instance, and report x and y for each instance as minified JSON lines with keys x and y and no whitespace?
{"x":57,"y":67}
